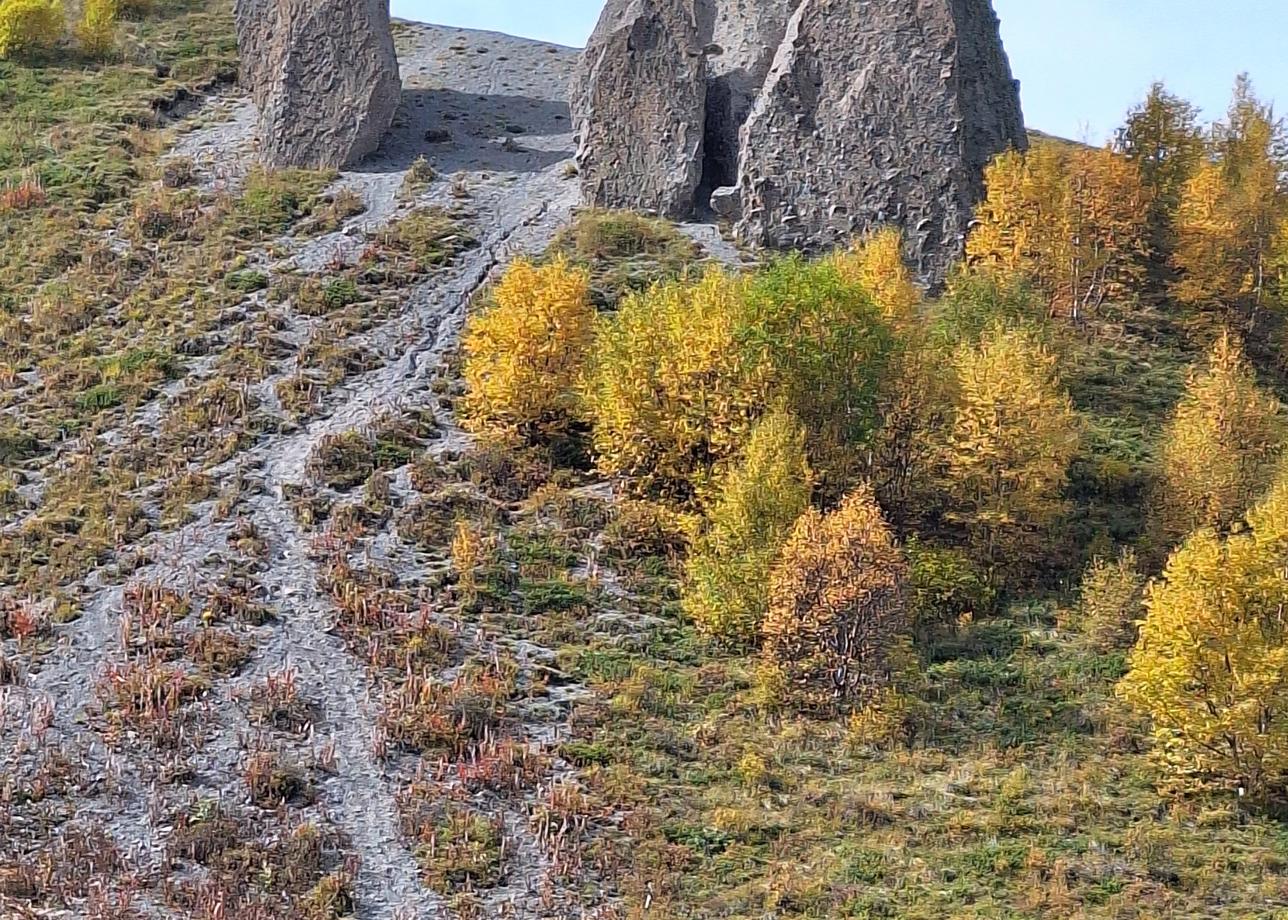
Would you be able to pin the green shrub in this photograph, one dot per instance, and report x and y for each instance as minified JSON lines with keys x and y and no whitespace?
{"x":727,"y":584}
{"x":625,"y":252}
{"x":681,"y":374}
{"x":944,"y":587}
{"x":819,"y":346}
{"x":979,"y":299}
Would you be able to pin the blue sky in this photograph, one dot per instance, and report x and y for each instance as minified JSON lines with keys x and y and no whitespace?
{"x":1083,"y":63}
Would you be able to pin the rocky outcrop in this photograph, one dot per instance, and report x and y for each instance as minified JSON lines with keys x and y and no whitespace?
{"x":821,"y":118}
{"x":639,"y":105}
{"x":745,"y":38}
{"x":256,"y":22}
{"x":324,"y":75}
{"x":878,"y":112}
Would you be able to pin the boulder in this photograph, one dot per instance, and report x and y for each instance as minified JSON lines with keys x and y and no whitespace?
{"x":726,"y":203}
{"x":878,"y":112}
{"x":324,"y":75}
{"x":639,"y":106}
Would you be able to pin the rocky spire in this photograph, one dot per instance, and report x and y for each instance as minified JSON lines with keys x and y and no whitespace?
{"x":324,"y":75}
{"x":810,"y":120}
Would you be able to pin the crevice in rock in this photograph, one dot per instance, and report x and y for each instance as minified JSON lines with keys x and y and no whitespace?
{"x":720,"y":145}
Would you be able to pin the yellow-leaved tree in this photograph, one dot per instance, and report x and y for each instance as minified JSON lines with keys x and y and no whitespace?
{"x":1013,"y":434}
{"x":1074,"y":219}
{"x":1211,"y":664}
{"x":525,"y":354}
{"x":837,"y":607}
{"x":1206,"y":240}
{"x":30,"y":25}
{"x":1163,"y":139}
{"x":727,"y":585}
{"x":915,"y":401}
{"x":96,"y":30}
{"x":671,"y":390}
{"x":875,"y":263}
{"x":1232,"y":211}
{"x":1222,"y":447}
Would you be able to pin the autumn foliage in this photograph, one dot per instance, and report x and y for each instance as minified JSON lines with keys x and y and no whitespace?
{"x":525,"y":354}
{"x":30,"y":25}
{"x":671,"y":391}
{"x":682,"y":373}
{"x":1008,"y":449}
{"x":1162,"y":138}
{"x":1211,"y":665}
{"x":1074,"y":219}
{"x":1232,"y":219}
{"x":836,"y":606}
{"x":726,"y":589}
{"x":1222,"y":446}
{"x":96,"y":29}
{"x":875,"y":263}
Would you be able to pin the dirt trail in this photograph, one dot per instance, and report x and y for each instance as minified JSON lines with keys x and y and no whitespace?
{"x":488,"y":112}
{"x":503,"y":166}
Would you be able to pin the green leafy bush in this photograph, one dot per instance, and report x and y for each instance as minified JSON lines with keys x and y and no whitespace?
{"x":945,"y":587}
{"x":727,"y":585}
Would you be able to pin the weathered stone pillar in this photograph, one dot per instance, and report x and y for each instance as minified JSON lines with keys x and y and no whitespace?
{"x":324,"y":75}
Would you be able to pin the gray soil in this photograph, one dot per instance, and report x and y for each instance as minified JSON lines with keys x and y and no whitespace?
{"x":489,"y":112}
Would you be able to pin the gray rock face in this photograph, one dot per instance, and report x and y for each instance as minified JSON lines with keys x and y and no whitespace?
{"x":256,"y":22}
{"x":747,"y":34}
{"x":324,"y":75}
{"x":639,"y":105}
{"x":820,"y":119}
{"x":878,"y":112}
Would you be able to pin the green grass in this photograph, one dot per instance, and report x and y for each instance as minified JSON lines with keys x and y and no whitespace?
{"x":625,"y":252}
{"x":1022,"y":791}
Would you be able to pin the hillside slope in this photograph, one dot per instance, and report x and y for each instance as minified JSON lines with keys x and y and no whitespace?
{"x":245,"y":671}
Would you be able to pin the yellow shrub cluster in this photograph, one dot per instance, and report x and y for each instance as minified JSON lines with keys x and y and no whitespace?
{"x":1232,"y":219}
{"x":1222,"y":447}
{"x":30,"y":25}
{"x":96,"y":30}
{"x":875,"y":263}
{"x":1074,"y":219}
{"x":1211,"y":664}
{"x":1110,"y":601}
{"x":726,"y":589}
{"x":524,"y":356}
{"x":672,"y":391}
{"x":836,"y":606}
{"x":1013,"y":434}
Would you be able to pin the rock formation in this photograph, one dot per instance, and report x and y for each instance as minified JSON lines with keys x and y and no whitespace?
{"x":639,"y":105}
{"x":324,"y":75}
{"x":821,"y":118}
{"x":746,"y":37}
{"x":878,"y":112}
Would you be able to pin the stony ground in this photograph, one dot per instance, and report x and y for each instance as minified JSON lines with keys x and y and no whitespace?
{"x":128,"y":740}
